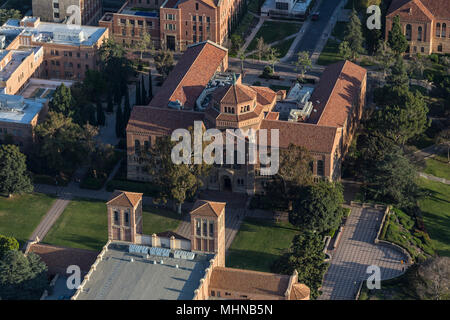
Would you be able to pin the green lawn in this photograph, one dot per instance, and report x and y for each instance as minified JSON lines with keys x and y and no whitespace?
{"x":84,"y":224}
{"x":330,"y":53}
{"x":283,"y":47}
{"x":438,"y":166}
{"x":20,"y":215}
{"x":259,"y":243}
{"x":436,"y":214}
{"x":159,"y":220}
{"x":272,"y":31}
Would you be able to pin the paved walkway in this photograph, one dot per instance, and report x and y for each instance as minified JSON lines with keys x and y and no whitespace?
{"x":255,"y":30}
{"x":49,"y":219}
{"x":356,"y":251}
{"x":433,"y":178}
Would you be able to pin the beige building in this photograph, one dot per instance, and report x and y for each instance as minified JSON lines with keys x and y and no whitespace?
{"x":425,"y":23}
{"x":219,"y":100}
{"x":170,"y":267}
{"x":68,"y":50}
{"x":58,"y":10}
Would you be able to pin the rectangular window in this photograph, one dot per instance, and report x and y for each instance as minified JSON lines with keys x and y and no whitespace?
{"x":198,"y":227}
{"x":205,"y":230}
{"x":320,"y":168}
{"x":127,"y":218}
{"x":211,"y":228}
{"x":116,"y":217}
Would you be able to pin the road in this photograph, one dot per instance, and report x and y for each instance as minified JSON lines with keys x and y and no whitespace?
{"x":315,"y":29}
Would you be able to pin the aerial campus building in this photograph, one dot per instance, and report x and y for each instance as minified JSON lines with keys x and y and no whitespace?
{"x":173,"y":24}
{"x":62,"y":51}
{"x":167,"y":266}
{"x":322,"y":118}
{"x":59,"y":11}
{"x":425,"y":23}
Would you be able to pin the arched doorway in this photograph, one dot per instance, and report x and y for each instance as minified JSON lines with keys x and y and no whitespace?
{"x":226,"y":184}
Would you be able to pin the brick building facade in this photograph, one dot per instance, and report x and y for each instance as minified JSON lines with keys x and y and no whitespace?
{"x":173,"y":24}
{"x":223,"y":103}
{"x":57,"y":10}
{"x":425,"y":24}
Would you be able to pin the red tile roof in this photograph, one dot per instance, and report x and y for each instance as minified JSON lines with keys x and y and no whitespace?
{"x":161,"y":121}
{"x":236,"y":94}
{"x":125,"y":198}
{"x":208,"y":208}
{"x":315,"y":138}
{"x":439,"y":8}
{"x":336,"y":93}
{"x":265,"y":95}
{"x":247,"y":281}
{"x":191,"y":74}
{"x":58,"y":259}
{"x":419,"y":10}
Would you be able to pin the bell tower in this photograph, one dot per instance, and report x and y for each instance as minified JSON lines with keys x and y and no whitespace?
{"x":124,"y":216}
{"x":208,"y":229}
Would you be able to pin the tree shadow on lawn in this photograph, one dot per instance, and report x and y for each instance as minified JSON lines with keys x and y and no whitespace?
{"x":162,"y":212}
{"x":256,"y":222}
{"x":72,"y":241}
{"x":251,"y":260}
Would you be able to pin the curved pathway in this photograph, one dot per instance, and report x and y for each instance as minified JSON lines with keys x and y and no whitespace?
{"x":355,"y":252}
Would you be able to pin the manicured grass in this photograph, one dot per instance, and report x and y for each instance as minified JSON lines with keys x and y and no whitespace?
{"x":283,"y":47}
{"x":259,"y":243}
{"x":20,"y":215}
{"x":272,"y":31}
{"x":276,"y":87}
{"x":83,"y":224}
{"x":435,"y":207}
{"x":159,"y":220}
{"x":438,"y":166}
{"x":330,"y":53}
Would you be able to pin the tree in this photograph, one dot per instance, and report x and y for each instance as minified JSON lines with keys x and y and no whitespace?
{"x":150,"y":85}
{"x":60,"y":143}
{"x":138,"y":93}
{"x":261,"y":48}
{"x":241,"y":55}
{"x":399,"y":75}
{"x":176,"y":182}
{"x":127,"y":107}
{"x":273,"y":57}
{"x":396,"y":39}
{"x":101,"y":119}
{"x":62,"y":101}
{"x":143,"y":91}
{"x":7,"y":244}
{"x":354,"y":35}
{"x":433,"y":281}
{"x":236,"y":42}
{"x":110,"y":103}
{"x":401,"y":115}
{"x":94,"y":85}
{"x":143,"y":43}
{"x":345,"y":51}
{"x":306,"y":256}
{"x":417,"y":66}
{"x":119,"y":122}
{"x":14,"y":178}
{"x":320,"y":208}
{"x":164,"y":62}
{"x":303,"y":63}
{"x":22,"y":276}
{"x":444,"y":138}
{"x":6,"y":14}
{"x":391,"y":178}
{"x":384,"y":56}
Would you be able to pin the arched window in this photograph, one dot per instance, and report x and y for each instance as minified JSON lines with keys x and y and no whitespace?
{"x":408,"y":32}
{"x":443,"y":33}
{"x":438,"y":30}
{"x":137,"y":147}
{"x":439,"y":48}
{"x":320,"y":168}
{"x":419,"y":34}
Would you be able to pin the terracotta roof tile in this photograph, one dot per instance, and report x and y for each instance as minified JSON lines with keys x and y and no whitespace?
{"x":414,"y":10}
{"x":313,"y":137}
{"x":439,"y":8}
{"x":58,"y":259}
{"x":247,"y":281}
{"x":208,"y":208}
{"x":265,"y":95}
{"x":161,"y":121}
{"x":125,"y":198}
{"x":191,"y":74}
{"x":169,"y":234}
{"x":237,"y":93}
{"x":273,"y":115}
{"x":299,"y":291}
{"x":336,"y":93}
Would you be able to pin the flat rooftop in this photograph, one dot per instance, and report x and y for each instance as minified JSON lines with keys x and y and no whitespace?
{"x":42,"y":88}
{"x":140,"y":11}
{"x":17,"y":57}
{"x":17,"y":109}
{"x":59,"y":33}
{"x":117,"y":278}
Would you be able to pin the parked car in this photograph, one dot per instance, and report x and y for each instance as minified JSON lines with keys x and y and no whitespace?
{"x":315,"y":16}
